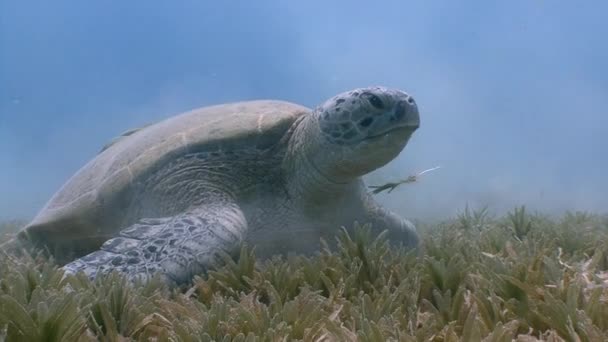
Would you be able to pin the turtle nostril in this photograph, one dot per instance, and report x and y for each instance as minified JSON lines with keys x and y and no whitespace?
{"x":399,"y":111}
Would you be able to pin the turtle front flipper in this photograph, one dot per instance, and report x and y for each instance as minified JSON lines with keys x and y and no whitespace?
{"x":177,"y":247}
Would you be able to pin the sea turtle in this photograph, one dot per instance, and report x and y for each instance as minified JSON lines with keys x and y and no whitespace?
{"x":169,"y":197}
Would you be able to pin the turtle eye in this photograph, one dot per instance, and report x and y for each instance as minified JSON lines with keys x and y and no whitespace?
{"x":374,"y":100}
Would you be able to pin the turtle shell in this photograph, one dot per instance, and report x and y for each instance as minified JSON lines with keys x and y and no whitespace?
{"x":87,"y":208}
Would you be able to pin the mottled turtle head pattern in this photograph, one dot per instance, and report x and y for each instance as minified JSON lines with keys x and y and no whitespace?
{"x":358,"y":115}
{"x":367,"y":127}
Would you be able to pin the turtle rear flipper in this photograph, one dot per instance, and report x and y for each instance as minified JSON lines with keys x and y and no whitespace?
{"x":178,"y":247}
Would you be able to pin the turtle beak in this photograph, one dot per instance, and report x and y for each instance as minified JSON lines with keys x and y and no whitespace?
{"x":406,"y":114}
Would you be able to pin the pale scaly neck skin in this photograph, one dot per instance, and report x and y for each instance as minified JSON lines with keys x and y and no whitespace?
{"x":307,"y":180}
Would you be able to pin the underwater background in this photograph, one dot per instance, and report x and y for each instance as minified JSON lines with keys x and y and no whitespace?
{"x":513,"y":95}
{"x":513,"y":99}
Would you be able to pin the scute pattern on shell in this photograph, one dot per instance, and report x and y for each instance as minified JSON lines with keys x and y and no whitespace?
{"x":109,"y":177}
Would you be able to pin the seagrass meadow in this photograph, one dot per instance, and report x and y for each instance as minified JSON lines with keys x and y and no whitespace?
{"x":523,"y":276}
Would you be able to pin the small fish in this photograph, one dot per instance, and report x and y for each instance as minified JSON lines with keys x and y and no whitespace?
{"x":393,"y":185}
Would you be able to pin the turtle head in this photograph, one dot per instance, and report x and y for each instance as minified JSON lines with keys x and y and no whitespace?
{"x":362,"y":130}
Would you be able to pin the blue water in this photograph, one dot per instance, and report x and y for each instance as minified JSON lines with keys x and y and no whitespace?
{"x":513,"y":95}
